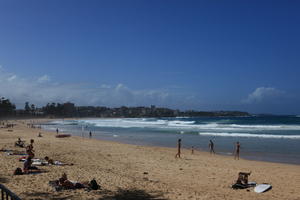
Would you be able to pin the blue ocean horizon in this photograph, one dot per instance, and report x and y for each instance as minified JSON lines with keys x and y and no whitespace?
{"x":266,"y":138}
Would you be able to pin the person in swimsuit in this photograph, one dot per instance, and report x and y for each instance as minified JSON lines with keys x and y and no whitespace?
{"x":178,"y":149}
{"x":237,"y":151}
{"x":211,"y":147}
{"x":29,"y":149}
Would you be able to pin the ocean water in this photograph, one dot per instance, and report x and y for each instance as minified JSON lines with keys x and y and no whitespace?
{"x":267,"y":138}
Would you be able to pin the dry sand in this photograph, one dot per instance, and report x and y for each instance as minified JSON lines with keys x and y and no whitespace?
{"x":137,"y":172}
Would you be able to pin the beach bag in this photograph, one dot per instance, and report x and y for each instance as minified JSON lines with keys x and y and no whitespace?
{"x":94,"y":185}
{"x":18,"y":171}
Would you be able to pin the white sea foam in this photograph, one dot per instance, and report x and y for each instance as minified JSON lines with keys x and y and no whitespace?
{"x":64,"y":122}
{"x":126,"y":123}
{"x":183,"y":126}
{"x":178,"y":124}
{"x":249,"y":135}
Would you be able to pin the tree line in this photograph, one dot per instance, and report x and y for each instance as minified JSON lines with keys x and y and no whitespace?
{"x":69,"y":109}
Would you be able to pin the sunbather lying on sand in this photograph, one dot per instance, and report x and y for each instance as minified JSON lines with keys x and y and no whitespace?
{"x":52,"y":162}
{"x":13,"y":152}
{"x":28,"y":168}
{"x":65,"y":183}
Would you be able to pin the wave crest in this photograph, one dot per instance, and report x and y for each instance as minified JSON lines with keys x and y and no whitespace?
{"x":250,"y":135}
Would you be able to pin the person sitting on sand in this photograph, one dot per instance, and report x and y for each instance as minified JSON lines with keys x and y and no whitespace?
{"x":237,"y":151}
{"x":27,"y":165}
{"x":40,"y":135}
{"x":28,"y":168}
{"x":243,"y":178}
{"x":242,"y":181}
{"x":29,"y":149}
{"x":67,"y":184}
{"x":211,"y":147}
{"x":178,"y":149}
{"x":19,"y":143}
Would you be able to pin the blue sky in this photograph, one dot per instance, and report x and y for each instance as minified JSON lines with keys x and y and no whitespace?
{"x":204,"y":55}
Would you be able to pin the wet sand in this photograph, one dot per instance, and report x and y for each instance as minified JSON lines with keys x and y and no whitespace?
{"x":137,"y":172}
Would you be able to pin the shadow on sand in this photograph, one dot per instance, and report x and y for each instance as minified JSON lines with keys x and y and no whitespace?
{"x":4,"y":180}
{"x":134,"y":194}
{"x":47,"y":195}
{"x":120,"y":194}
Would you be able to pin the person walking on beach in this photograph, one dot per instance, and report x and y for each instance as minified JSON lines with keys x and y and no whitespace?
{"x":56,"y":130}
{"x":90,"y":134}
{"x":237,"y":151}
{"x":211,"y":147}
{"x":178,"y":149}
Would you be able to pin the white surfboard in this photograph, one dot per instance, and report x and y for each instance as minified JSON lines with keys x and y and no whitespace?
{"x":260,"y":188}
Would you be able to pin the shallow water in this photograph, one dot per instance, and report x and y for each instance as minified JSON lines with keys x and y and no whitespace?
{"x":268,"y":138}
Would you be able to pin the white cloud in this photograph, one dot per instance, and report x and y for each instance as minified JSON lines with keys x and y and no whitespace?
{"x":12,"y":77}
{"x":263,"y":94}
{"x":43,"y":79}
{"x":20,"y":90}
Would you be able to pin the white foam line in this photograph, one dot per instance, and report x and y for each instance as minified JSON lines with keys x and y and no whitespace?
{"x":176,"y":124}
{"x":251,"y":135}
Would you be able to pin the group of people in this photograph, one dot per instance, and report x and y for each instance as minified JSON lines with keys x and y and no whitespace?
{"x":211,"y":149}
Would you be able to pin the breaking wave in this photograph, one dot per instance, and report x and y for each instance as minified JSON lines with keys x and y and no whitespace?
{"x":183,"y":124}
{"x":251,"y":135}
{"x":222,"y":127}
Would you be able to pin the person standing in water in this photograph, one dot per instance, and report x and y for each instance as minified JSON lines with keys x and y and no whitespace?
{"x":178,"y":149}
{"x":237,"y":151}
{"x":211,"y":147}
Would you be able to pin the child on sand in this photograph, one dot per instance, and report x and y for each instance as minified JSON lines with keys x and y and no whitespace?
{"x":237,"y":151}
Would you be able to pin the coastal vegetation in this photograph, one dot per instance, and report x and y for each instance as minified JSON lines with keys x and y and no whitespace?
{"x":69,"y":109}
{"x":6,"y":107}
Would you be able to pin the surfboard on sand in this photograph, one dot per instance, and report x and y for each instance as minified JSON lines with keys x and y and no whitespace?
{"x":260,"y":188}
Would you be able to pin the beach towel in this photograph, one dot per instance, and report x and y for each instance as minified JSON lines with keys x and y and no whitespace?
{"x":13,"y":152}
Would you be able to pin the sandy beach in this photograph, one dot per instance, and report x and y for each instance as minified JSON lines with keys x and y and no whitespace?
{"x":137,"y":172}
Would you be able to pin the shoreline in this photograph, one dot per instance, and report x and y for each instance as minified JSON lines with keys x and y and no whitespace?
{"x":148,"y":170}
{"x":248,"y":155}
